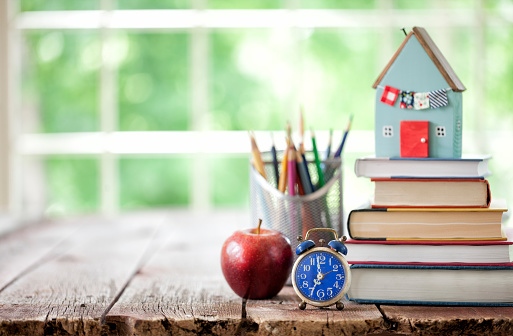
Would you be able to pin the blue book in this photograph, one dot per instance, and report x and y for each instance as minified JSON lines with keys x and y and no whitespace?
{"x":451,"y":284}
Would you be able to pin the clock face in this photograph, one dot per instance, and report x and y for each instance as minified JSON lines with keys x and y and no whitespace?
{"x":320,"y":276}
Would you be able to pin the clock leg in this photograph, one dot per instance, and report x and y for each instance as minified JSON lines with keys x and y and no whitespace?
{"x":339,"y":305}
{"x":302,"y":305}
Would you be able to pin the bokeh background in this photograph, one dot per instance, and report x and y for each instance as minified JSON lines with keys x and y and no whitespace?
{"x":80,"y":81}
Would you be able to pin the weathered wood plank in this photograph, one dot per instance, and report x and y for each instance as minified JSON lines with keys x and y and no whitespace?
{"x":181,"y":291}
{"x":281,"y":316}
{"x":69,"y":294}
{"x":24,"y":249}
{"x":430,"y":320}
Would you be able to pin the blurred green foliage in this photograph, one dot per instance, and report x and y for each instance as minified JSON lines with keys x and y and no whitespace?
{"x":254,"y":76}
{"x":337,"y":4}
{"x":153,"y":4}
{"x":60,"y":80}
{"x":230,"y":181}
{"x":499,"y":74}
{"x":72,"y":185}
{"x":153,"y":82}
{"x":246,"y":4}
{"x":242,"y":93}
{"x":339,"y":69}
{"x":49,"y":5}
{"x":154,"y":182}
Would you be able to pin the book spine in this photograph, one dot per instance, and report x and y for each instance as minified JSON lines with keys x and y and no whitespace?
{"x":349,"y":224}
{"x":488,"y":194}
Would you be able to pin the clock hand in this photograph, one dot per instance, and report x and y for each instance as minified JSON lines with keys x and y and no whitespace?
{"x":320,"y":276}
{"x":318,"y":265}
{"x":316,"y":282}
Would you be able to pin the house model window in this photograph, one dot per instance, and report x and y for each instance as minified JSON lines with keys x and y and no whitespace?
{"x":388,"y":131}
{"x":440,"y":131}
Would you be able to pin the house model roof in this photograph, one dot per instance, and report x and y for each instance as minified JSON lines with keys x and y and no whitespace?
{"x":434,"y":53}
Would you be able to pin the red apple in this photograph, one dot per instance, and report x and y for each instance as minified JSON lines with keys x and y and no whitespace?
{"x":257,"y":262}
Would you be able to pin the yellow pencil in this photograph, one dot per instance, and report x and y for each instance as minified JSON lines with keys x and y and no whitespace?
{"x":257,"y":157}
{"x":282,"y":185}
{"x":289,"y":133}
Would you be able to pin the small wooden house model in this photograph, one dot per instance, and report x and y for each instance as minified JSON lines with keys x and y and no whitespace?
{"x":418,"y":102}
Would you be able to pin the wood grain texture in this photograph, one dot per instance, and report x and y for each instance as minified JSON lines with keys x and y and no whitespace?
{"x":124,"y":277}
{"x":25,"y":249}
{"x":281,"y":316}
{"x":69,"y":294}
{"x":181,"y":291}
{"x":429,"y":320}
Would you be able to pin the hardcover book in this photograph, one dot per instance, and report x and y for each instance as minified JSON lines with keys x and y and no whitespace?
{"x":467,"y":166}
{"x":432,"y":284}
{"x":431,"y":251}
{"x":462,"y":193}
{"x":427,"y":223}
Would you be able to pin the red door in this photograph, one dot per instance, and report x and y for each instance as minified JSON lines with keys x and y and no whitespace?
{"x":414,"y":138}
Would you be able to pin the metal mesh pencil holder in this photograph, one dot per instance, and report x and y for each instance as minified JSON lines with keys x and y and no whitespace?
{"x":295,"y":215}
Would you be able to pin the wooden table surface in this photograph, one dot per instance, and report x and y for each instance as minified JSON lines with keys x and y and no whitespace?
{"x":158,"y":273}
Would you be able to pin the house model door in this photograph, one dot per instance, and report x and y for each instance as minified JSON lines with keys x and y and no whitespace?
{"x":414,"y":138}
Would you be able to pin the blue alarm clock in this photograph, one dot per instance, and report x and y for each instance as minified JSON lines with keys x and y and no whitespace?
{"x":321,"y":275}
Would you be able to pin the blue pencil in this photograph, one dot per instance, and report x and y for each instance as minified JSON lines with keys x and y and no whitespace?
{"x":339,"y":150}
{"x":328,"y":150}
{"x":275,"y":161}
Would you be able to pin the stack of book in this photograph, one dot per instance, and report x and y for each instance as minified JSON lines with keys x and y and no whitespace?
{"x":431,"y":235}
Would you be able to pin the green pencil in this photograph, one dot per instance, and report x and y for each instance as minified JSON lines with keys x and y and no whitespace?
{"x":317,"y":161}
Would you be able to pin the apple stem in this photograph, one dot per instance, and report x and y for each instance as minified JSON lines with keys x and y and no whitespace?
{"x":258,"y":227}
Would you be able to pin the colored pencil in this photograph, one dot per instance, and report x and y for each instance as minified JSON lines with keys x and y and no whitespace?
{"x":303,"y":174}
{"x":305,"y":164}
{"x":275,"y":161}
{"x":291,"y":167}
{"x":317,"y":161}
{"x":300,"y":189}
{"x":257,"y":157}
{"x":282,"y":185}
{"x":339,"y":150}
{"x":301,"y":129}
{"x":328,"y":150}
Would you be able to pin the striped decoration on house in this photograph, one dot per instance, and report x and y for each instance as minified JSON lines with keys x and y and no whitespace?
{"x":438,"y":98}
